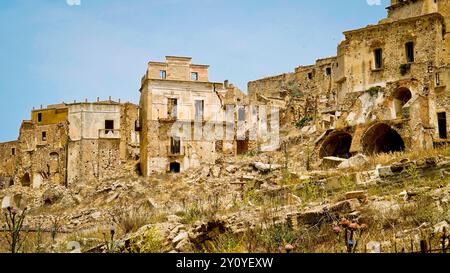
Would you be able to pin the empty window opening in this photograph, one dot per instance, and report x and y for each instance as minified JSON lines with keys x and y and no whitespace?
{"x":310,"y":75}
{"x":175,"y":167}
{"x":438,"y":79}
{"x":442,"y":125}
{"x":162,"y":74}
{"x":44,"y":136}
{"x":409,"y":52}
{"x":109,"y":126}
{"x":242,"y":147}
{"x":39,"y":117}
{"x":13,"y":151}
{"x":137,"y":126}
{"x":337,"y":144}
{"x":401,"y":97}
{"x":194,"y":76}
{"x":381,"y":138}
{"x":199,"y":107}
{"x":26,"y":181}
{"x":378,"y":55}
{"x":175,"y":146}
{"x":219,"y":146}
{"x":241,"y":114}
{"x":172,"y":108}
{"x":328,"y":71}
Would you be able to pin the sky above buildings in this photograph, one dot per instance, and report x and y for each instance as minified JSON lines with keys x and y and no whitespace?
{"x":64,"y":50}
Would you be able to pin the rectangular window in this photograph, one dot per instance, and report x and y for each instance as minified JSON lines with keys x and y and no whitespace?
{"x":172,"y":108}
{"x":199,"y":107}
{"x":328,"y":71}
{"x":442,"y":125}
{"x":175,"y":145}
{"x":241,"y":114}
{"x":109,"y":126}
{"x":310,"y":75}
{"x":137,"y":127}
{"x":378,"y":55}
{"x":44,"y":136}
{"x":39,"y":117}
{"x":162,"y":74}
{"x":409,"y":52}
{"x":13,"y":151}
{"x":438,"y":79}
{"x":194,"y":76}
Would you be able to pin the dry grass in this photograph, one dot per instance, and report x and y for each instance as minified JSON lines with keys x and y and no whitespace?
{"x":130,"y":220}
{"x":389,"y":158}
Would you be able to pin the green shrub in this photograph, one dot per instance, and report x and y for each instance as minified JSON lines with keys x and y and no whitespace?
{"x":303,"y":122}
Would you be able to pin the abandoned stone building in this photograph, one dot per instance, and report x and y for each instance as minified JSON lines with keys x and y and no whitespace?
{"x":386,"y":89}
{"x":71,"y":142}
{"x":178,"y":94}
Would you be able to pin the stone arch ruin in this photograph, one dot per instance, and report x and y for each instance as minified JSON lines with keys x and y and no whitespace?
{"x":381,"y":138}
{"x":337,"y":144}
{"x":401,"y":96}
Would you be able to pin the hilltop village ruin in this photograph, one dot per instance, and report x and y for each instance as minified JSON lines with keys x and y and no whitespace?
{"x":386,"y":90}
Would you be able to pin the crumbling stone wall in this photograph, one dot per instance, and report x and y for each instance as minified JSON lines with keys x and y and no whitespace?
{"x":8,"y":154}
{"x":310,"y":91}
{"x":42,"y":153}
{"x":404,"y":94}
{"x":130,"y":132}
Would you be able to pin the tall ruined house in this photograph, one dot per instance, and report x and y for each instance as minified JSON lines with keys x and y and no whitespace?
{"x":386,"y":90}
{"x":178,"y":94}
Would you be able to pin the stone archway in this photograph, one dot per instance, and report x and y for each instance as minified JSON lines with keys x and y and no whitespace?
{"x":401,"y":97}
{"x":26,"y":180}
{"x":381,"y":138}
{"x":337,"y":144}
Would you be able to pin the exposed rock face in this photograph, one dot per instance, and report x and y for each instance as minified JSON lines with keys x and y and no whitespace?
{"x":262,"y":167}
{"x":53,"y":194}
{"x":354,"y":162}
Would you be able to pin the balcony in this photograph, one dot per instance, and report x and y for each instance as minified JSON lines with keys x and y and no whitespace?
{"x":109,"y":134}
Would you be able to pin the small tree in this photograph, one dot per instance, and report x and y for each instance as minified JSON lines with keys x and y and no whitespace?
{"x":109,"y":242}
{"x":14,"y":225}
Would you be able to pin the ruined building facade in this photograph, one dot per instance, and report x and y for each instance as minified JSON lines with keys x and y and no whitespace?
{"x":386,"y":90}
{"x":70,"y":143}
{"x":178,"y":105}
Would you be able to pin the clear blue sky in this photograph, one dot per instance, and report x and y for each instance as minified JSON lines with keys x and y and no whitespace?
{"x":51,"y":51}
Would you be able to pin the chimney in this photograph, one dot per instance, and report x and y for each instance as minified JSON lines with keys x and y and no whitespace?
{"x":225,"y":83}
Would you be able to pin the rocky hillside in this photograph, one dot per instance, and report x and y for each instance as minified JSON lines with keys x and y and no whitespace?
{"x":264,"y":202}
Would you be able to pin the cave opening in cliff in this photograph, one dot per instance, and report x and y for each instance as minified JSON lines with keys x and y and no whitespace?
{"x":381,"y":138}
{"x":336,"y":144}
